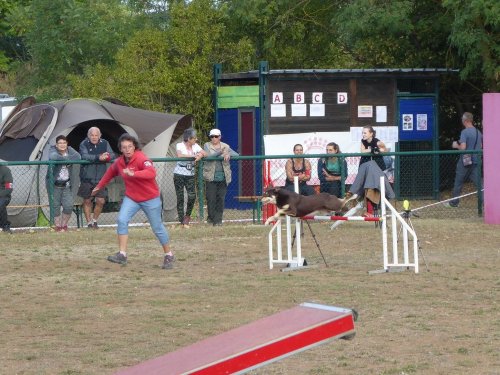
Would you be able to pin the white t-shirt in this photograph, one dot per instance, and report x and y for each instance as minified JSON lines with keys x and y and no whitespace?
{"x":186,"y":168}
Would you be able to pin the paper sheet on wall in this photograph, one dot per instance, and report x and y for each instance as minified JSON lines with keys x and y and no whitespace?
{"x":381,"y":111}
{"x":278,"y":110}
{"x":421,"y":121}
{"x":299,"y":110}
{"x":387,"y":134}
{"x":317,"y":110}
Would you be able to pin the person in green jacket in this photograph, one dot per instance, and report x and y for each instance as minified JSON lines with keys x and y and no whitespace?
{"x":217,"y":175}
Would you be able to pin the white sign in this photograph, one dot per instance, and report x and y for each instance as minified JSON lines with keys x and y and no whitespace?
{"x":277,"y":98}
{"x":298,"y":98}
{"x":317,"y":110}
{"x":278,"y":110}
{"x":387,"y":134}
{"x":341,"y":98}
{"x":381,"y":111}
{"x":407,"y":122}
{"x":365,"y":111}
{"x":299,"y":110}
{"x":421,"y":121}
{"x":317,"y":97}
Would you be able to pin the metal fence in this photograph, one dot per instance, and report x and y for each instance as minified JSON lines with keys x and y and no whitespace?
{"x":423,"y":178}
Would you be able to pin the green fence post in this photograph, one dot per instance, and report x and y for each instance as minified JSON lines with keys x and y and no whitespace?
{"x":200,"y":191}
{"x":50,"y":186}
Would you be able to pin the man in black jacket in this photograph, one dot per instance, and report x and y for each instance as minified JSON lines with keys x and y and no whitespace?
{"x":5,"y":195}
{"x":97,"y":151}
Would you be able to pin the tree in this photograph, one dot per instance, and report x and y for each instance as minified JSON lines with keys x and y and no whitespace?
{"x":289,"y":33}
{"x":65,"y":36}
{"x":475,"y":33}
{"x":170,"y":70}
{"x":426,"y":33}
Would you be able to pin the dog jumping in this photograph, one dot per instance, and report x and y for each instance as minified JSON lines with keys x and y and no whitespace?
{"x":293,"y":204}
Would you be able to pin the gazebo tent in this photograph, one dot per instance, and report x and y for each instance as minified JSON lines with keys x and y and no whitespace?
{"x":31,"y":128}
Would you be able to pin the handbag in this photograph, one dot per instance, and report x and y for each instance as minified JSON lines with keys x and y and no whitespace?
{"x":467,"y":158}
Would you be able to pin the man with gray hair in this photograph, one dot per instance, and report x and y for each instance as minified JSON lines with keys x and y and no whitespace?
{"x":467,"y":165}
{"x":98,"y":152}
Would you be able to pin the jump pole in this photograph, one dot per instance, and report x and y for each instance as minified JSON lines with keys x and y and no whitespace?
{"x":395,"y":264}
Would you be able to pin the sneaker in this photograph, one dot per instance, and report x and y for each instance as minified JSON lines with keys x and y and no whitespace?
{"x":90,"y":226}
{"x":168,"y":262}
{"x":95,"y":226}
{"x":118,"y":258}
{"x":7,"y":230}
{"x":450,"y":205}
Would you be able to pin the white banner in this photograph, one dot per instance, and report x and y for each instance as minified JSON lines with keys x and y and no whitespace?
{"x":313,"y":143}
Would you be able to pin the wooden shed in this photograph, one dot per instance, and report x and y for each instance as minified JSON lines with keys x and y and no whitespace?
{"x":250,"y":105}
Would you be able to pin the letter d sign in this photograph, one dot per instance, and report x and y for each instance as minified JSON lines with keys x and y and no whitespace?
{"x":341,"y":98}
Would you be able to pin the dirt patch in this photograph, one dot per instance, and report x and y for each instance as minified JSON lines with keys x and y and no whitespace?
{"x":66,"y":310}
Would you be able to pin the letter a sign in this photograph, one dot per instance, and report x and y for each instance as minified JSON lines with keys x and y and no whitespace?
{"x":277,"y":98}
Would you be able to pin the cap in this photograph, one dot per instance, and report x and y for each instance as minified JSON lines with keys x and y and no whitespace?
{"x":214,"y":132}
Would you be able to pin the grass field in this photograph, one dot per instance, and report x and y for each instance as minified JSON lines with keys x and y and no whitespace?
{"x":65,"y":310}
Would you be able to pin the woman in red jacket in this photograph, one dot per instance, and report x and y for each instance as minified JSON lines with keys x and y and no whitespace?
{"x":141,"y":193}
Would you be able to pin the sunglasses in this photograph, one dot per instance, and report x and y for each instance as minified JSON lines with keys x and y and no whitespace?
{"x":214,"y":136}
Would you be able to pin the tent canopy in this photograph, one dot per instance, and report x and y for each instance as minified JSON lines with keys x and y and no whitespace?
{"x":30,"y":124}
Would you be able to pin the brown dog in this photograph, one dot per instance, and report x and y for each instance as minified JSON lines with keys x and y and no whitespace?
{"x":293,"y":204}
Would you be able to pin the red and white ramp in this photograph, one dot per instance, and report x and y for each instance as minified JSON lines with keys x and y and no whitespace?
{"x":255,"y":344}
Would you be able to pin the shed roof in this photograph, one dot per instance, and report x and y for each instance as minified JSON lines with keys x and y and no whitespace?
{"x":376,"y":72}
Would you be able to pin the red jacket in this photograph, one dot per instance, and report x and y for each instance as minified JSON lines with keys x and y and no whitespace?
{"x":142,"y":185}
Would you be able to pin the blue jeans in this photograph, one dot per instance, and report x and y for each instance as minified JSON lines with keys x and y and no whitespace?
{"x":464,"y":173}
{"x":152,"y":208}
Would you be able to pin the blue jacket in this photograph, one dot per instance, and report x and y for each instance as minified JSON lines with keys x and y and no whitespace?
{"x":93,"y":172}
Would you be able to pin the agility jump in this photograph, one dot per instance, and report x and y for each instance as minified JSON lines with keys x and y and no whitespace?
{"x":401,"y":233}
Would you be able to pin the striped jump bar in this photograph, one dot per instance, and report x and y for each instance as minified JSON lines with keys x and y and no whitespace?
{"x":342,"y":218}
{"x":255,"y":344}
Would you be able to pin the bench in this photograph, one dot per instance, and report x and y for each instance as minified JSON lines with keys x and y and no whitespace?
{"x":256,"y":204}
{"x":255,"y":344}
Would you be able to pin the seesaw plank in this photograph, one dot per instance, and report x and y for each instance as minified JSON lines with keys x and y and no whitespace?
{"x":255,"y":344}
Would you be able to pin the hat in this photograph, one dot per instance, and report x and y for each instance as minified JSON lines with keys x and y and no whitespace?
{"x":214,"y":132}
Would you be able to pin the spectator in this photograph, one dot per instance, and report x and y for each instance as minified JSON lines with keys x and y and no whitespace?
{"x":467,"y":168}
{"x":63,"y":195}
{"x":300,"y":168}
{"x":217,"y":175}
{"x":184,"y":174}
{"x":141,"y":193}
{"x":6,"y":186}
{"x":367,"y":184}
{"x":330,"y":171}
{"x":97,"y":151}
{"x":372,"y":146}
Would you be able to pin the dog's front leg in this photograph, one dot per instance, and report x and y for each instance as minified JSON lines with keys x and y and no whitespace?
{"x":276,"y":216}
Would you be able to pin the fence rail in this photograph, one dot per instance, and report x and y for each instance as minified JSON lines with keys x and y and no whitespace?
{"x":421,"y":177}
